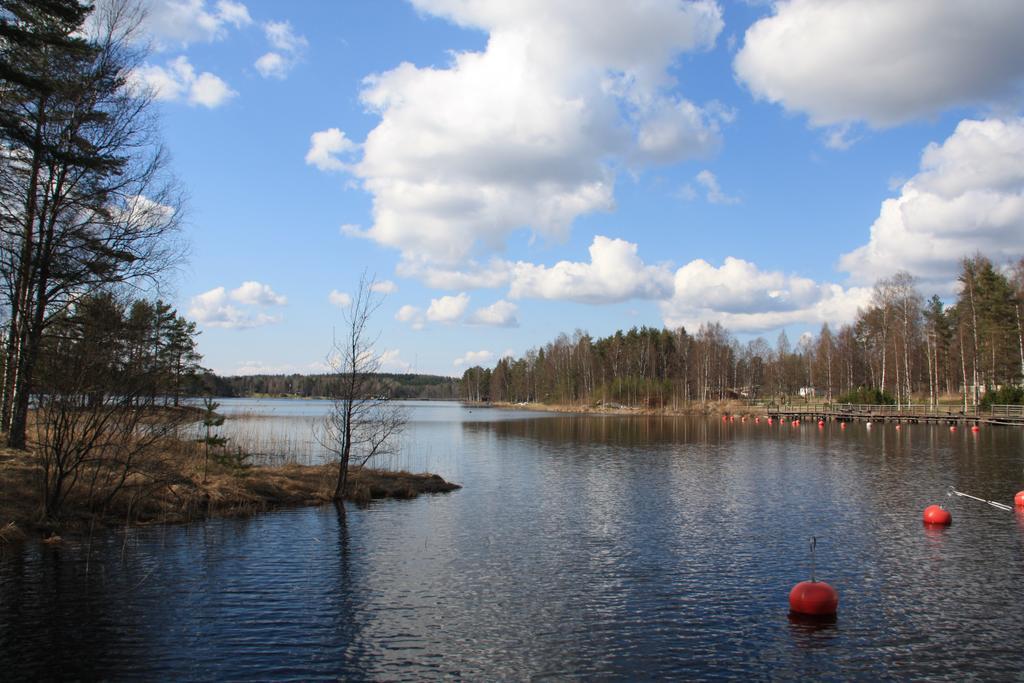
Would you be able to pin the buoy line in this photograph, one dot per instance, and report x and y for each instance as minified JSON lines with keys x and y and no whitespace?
{"x":993,"y":503}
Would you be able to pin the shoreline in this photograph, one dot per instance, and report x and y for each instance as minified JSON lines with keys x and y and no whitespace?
{"x":184,"y":497}
{"x":707,"y":409}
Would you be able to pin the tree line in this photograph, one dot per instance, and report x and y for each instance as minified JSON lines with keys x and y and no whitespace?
{"x":900,"y":348}
{"x":392,"y":386}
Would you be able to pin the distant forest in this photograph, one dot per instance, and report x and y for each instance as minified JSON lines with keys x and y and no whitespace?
{"x":900,"y":348}
{"x":312,"y":386}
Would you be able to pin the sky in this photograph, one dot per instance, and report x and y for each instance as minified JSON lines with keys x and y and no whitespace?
{"x":509,"y":171}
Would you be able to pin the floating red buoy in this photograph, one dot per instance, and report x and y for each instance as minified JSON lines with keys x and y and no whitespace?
{"x":821,"y":423}
{"x":814,"y":598}
{"x":757,"y":420}
{"x":937,"y":515}
{"x":842,"y":425}
{"x":952,"y":428}
{"x":897,"y":428}
{"x":975,"y":428}
{"x":1018,"y":500}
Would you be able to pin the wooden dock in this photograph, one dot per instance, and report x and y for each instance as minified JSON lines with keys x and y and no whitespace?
{"x":850,"y":412}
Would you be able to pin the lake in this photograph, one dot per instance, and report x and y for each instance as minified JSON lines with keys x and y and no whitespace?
{"x":580,"y":546}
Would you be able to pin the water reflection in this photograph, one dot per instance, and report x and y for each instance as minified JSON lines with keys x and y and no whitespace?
{"x":580,"y":547}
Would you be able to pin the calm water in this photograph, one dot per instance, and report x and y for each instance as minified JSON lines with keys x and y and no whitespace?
{"x":579,"y":547}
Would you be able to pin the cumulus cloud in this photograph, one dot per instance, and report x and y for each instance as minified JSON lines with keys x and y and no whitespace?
{"x":384,"y":287}
{"x":288,"y":50}
{"x":447,"y":309}
{"x":339,"y":299}
{"x":615,"y":273}
{"x":745,"y":298}
{"x":473,"y":358}
{"x":412,"y":315}
{"x":177,"y":23}
{"x":209,"y":91}
{"x":213,"y":309}
{"x":391,"y":361}
{"x":177,"y":80}
{"x":272,"y":65}
{"x":324,"y":149}
{"x":529,"y":132}
{"x":712,"y":191}
{"x":499,"y":314}
{"x":472,"y":275}
{"x":967,"y":196}
{"x":257,"y":294}
{"x":883,"y":62}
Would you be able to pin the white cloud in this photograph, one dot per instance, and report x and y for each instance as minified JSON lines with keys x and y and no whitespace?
{"x":883,"y":62}
{"x":407,"y":313}
{"x":529,"y":132}
{"x":257,"y":294}
{"x":412,"y":315}
{"x":283,"y":37}
{"x":234,"y":13}
{"x":177,"y":79}
{"x":499,"y":314}
{"x":496,"y":273}
{"x":324,"y":149}
{"x":473,"y":358}
{"x":391,"y":361}
{"x":615,"y":273}
{"x":288,"y":49}
{"x":272,"y":65}
{"x":712,"y":192}
{"x":384,"y":287}
{"x":209,"y":91}
{"x":176,"y":23}
{"x":447,"y":309}
{"x":967,"y":196}
{"x":339,"y":299}
{"x":212,"y":309}
{"x":746,"y":299}
{"x":258,"y":367}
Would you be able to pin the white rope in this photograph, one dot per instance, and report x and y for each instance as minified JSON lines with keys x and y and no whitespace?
{"x":997,"y":505}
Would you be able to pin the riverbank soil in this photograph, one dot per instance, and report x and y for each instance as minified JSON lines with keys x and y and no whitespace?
{"x":182,"y":487}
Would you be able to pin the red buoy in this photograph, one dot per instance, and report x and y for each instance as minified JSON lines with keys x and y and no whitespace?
{"x":897,"y":428}
{"x":975,"y":428}
{"x":821,"y":423}
{"x":1018,"y":500}
{"x":757,"y":420}
{"x":952,"y":428}
{"x":936,"y":515}
{"x":814,"y":598}
{"x":842,"y":425}
{"x":769,"y":420}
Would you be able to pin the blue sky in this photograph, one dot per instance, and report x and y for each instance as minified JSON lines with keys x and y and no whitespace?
{"x":510,"y":171}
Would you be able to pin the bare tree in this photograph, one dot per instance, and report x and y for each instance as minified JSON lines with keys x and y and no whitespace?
{"x":360,"y":426}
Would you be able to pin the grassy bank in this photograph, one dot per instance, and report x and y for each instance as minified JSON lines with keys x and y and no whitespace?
{"x":174,"y":490}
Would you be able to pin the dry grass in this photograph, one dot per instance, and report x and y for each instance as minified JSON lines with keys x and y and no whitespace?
{"x":170,"y":488}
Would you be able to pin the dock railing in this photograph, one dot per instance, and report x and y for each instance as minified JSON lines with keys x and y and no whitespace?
{"x":882,"y":410}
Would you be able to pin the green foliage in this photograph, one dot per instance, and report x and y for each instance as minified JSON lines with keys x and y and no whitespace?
{"x":393,"y":386}
{"x":868,"y":396}
{"x":1006,"y":395}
